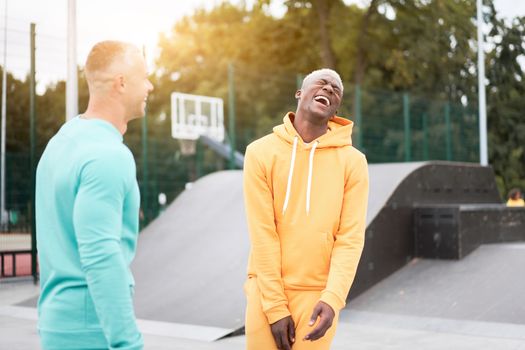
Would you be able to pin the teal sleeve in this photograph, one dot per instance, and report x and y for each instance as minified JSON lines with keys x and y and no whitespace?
{"x":104,"y":183}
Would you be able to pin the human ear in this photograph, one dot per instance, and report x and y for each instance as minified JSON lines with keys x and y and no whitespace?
{"x":119,"y":83}
{"x":298,"y":94}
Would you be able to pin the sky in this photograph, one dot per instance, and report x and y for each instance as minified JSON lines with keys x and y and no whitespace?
{"x":136,"y":21}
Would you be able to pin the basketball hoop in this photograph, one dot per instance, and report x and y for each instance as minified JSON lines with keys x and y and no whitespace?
{"x":193,"y":116}
{"x":187,"y":147}
{"x":196,"y":115}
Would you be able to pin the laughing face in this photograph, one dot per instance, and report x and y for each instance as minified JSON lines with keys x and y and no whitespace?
{"x":320,"y":96}
{"x":138,"y":87}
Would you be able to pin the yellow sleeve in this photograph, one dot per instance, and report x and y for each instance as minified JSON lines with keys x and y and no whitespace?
{"x":350,"y":237}
{"x":265,"y":243}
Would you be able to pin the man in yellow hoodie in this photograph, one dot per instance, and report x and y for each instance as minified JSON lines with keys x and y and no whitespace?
{"x":306,"y":194}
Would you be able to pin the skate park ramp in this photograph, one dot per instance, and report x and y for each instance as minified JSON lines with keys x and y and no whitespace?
{"x":478,"y":295}
{"x":384,"y":179}
{"x":429,"y":182}
{"x":191,"y":261}
{"x":190,"y":264}
{"x":398,"y":191}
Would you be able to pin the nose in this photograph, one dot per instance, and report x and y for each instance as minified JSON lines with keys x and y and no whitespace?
{"x":328,"y":87}
{"x":150,"y":86}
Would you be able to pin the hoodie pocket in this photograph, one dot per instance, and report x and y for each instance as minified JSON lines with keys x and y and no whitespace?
{"x":305,"y":257}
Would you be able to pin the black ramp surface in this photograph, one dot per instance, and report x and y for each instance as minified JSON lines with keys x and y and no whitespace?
{"x":416,"y":183}
{"x":487,"y":285}
{"x":395,"y":191}
{"x":191,"y":261}
{"x":384,"y":179}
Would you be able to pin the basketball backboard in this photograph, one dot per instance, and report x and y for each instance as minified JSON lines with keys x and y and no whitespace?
{"x":195,"y":115}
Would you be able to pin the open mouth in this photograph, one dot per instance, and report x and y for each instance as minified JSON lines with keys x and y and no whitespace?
{"x":322,"y":99}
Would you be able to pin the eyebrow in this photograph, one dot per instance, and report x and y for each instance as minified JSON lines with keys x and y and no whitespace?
{"x":334,"y":85}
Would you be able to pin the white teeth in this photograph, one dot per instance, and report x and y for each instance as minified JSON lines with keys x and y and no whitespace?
{"x":319,"y":98}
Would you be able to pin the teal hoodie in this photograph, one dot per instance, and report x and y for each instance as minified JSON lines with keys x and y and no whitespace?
{"x":87,"y":207}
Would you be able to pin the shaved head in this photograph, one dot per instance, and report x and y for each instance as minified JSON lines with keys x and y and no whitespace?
{"x":316,"y":73}
{"x":108,"y":59}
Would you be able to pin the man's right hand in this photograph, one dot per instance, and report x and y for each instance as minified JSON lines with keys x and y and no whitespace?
{"x":283,"y":332}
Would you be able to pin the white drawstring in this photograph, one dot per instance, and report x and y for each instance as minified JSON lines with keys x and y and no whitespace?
{"x":290,"y":174}
{"x":310,"y":169}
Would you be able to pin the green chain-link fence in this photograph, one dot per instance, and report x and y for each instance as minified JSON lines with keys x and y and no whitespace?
{"x":390,"y":127}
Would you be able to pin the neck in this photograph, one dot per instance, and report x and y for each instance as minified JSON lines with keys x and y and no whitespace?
{"x":108,"y":110}
{"x":307,"y":129}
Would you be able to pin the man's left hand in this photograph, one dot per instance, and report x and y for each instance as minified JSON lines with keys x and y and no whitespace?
{"x":326,"y":314}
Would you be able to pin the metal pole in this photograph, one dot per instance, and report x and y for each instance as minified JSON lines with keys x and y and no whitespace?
{"x":3,"y":213}
{"x":483,"y":147}
{"x":145,"y":179}
{"x":145,"y":175}
{"x":461,"y":152}
{"x":406,"y":117}
{"x":448,"y":132}
{"x":425,"y":137}
{"x":155,"y":191}
{"x":358,"y":116}
{"x":32,"y":124}
{"x":72,"y":79}
{"x":198,"y":159}
{"x":231,"y":80}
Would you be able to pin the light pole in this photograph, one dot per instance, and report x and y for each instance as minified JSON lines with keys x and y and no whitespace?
{"x":483,"y":149}
{"x":72,"y":79}
{"x":3,"y":212}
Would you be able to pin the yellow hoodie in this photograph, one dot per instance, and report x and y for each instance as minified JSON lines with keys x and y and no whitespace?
{"x":306,"y":210}
{"x":515,"y":202}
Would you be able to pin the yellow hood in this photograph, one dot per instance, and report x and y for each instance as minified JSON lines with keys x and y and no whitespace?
{"x":339,"y":134}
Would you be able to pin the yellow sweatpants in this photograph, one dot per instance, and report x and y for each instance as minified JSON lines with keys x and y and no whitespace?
{"x":301,"y":305}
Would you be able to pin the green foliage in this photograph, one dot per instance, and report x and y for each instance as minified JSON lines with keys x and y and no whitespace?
{"x":506,"y":122}
{"x":51,"y":106}
{"x":423,"y":48}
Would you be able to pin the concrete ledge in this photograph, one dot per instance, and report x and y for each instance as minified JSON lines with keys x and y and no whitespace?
{"x":156,"y":328}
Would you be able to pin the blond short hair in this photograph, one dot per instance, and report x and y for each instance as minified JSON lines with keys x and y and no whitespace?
{"x":103,"y":56}
{"x":328,"y":71}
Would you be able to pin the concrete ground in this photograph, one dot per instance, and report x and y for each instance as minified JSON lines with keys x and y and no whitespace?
{"x":428,"y":304}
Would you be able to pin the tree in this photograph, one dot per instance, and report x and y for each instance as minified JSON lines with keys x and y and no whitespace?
{"x":505,"y":91}
{"x":360,"y":64}
{"x":323,"y":9}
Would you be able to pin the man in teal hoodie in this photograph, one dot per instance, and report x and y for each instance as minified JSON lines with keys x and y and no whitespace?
{"x":87,"y":207}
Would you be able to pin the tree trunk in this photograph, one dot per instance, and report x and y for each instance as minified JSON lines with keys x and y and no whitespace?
{"x":360,"y":62}
{"x":322,"y":7}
